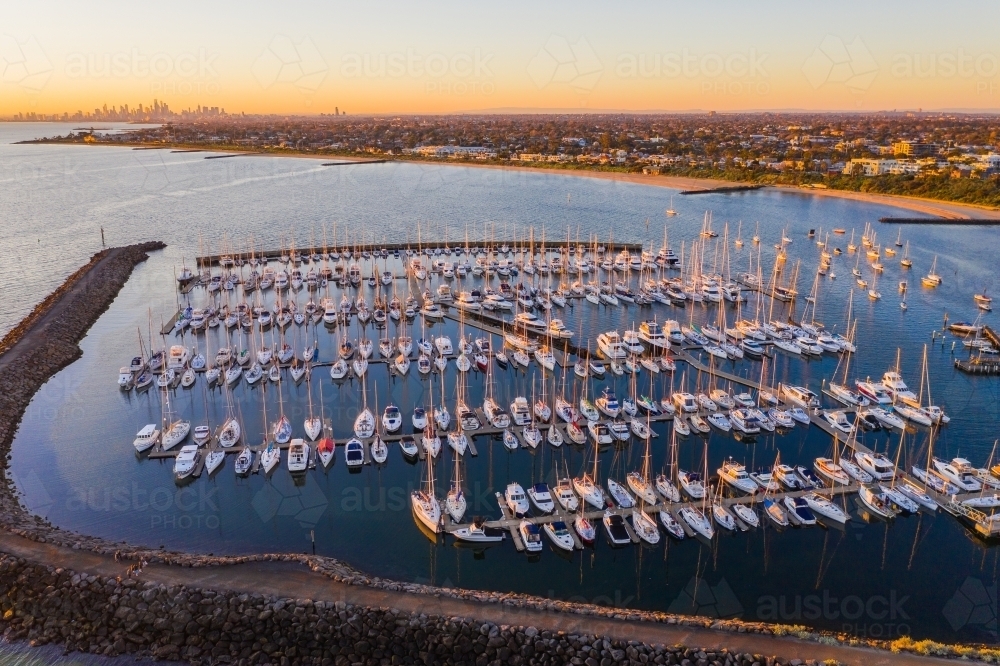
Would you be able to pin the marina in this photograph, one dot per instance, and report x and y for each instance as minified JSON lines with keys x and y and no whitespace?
{"x":526,"y":332}
{"x":96,"y":464}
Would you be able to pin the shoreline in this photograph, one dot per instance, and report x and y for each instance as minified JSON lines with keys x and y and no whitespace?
{"x":48,"y":340}
{"x":946,"y":210}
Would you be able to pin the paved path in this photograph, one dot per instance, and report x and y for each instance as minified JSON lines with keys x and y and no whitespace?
{"x":290,"y":580}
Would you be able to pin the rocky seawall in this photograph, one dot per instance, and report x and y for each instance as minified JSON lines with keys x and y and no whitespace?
{"x":108,"y":616}
{"x":101,"y":614}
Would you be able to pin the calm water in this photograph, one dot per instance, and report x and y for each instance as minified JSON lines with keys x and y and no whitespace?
{"x":74,"y":462}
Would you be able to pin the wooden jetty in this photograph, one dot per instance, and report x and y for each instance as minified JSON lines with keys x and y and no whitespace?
{"x":455,"y":247}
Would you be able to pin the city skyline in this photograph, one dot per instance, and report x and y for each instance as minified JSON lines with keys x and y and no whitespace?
{"x":316,"y":58}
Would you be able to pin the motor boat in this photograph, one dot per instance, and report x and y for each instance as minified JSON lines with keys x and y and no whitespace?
{"x":782,"y":418}
{"x":876,"y":393}
{"x":516,"y":500}
{"x":146,"y":438}
{"x":746,"y":514}
{"x":565,"y":496}
{"x":408,"y":447}
{"x":691,"y":483}
{"x":614,"y":527}
{"x":745,"y":420}
{"x":897,"y":388}
{"x":876,"y":502}
{"x":541,"y":497}
{"x":798,"y":507}
{"x":611,"y":345}
{"x":298,"y":456}
{"x":620,"y":495}
{"x":608,"y":403}
{"x":876,"y":464}
{"x":899,"y":500}
{"x":186,"y":462}
{"x":822,"y":506}
{"x":734,"y":474}
{"x":838,"y":420}
{"x":787,"y":477}
{"x":799,"y":396}
{"x":831,"y":471}
{"x":354,"y":453}
{"x":885,"y":417}
{"x":765,"y":481}
{"x":479,"y":532}
{"x":959,"y":472}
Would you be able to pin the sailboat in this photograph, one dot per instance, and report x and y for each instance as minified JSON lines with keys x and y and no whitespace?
{"x":932,"y":279}
{"x":873,"y":293}
{"x":639,"y":482}
{"x":670,"y":212}
{"x":313,"y":424}
{"x":455,"y":503}
{"x":905,"y":262}
{"x":379,"y":451}
{"x":426,"y":508}
{"x":174,"y":431}
{"x":271,"y":455}
{"x":586,"y":485}
{"x":364,"y":423}
{"x":325,"y":448}
{"x":282,"y":429}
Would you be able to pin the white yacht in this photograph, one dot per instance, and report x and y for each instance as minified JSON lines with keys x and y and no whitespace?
{"x":186,"y":461}
{"x":559,"y":534}
{"x":146,"y":438}
{"x":825,"y":508}
{"x":298,"y":456}
{"x":541,"y":497}
{"x":611,"y":345}
{"x":516,"y":500}
{"x":735,"y":474}
{"x":897,"y":388}
{"x":876,"y":464}
{"x":959,"y":472}
{"x":651,"y":334}
{"x":798,"y":395}
{"x":691,"y":483}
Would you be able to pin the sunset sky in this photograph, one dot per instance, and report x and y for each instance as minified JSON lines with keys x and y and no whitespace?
{"x":418,"y":57}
